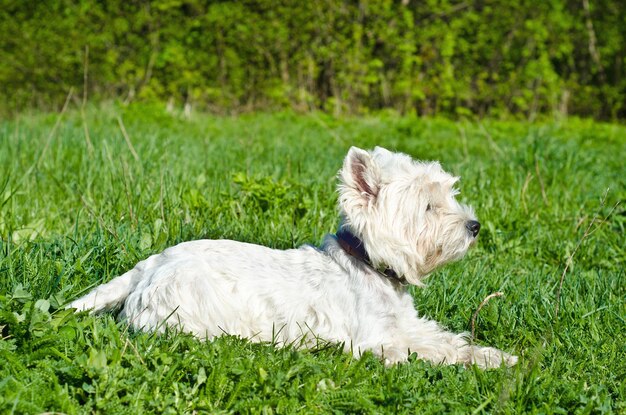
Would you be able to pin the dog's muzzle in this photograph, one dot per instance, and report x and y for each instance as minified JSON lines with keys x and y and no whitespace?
{"x":473,"y":227}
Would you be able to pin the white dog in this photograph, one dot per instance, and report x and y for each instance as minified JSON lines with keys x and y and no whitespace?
{"x":400,"y":222}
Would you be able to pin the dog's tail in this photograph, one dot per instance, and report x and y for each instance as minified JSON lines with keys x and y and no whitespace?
{"x":109,"y":296}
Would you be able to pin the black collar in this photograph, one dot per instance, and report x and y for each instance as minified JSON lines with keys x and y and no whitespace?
{"x":353,"y":246}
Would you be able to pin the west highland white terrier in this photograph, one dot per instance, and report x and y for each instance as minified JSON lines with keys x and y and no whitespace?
{"x":400,"y":221}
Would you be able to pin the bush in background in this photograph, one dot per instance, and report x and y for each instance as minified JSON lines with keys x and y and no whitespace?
{"x":458,"y":58}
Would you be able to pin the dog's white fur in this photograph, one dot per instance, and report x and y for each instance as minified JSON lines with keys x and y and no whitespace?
{"x":405,"y":213}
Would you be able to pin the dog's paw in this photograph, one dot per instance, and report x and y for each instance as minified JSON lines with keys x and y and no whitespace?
{"x":392,"y":357}
{"x":489,"y":357}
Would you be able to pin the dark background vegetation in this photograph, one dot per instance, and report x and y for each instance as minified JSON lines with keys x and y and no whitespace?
{"x":456,"y":58}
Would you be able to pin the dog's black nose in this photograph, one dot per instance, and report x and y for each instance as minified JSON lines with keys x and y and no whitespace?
{"x":473,"y":226}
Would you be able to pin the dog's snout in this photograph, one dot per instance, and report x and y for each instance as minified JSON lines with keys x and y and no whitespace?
{"x":473,"y":226}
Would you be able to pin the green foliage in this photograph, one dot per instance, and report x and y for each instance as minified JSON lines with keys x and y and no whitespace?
{"x":75,"y":213}
{"x":461,"y":59}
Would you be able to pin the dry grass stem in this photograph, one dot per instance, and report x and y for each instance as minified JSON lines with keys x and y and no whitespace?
{"x":569,"y":260}
{"x":56,"y":126}
{"x":543,"y":187}
{"x":529,"y":177}
{"x":84,"y":102}
{"x":482,"y":304}
{"x":127,"y":139}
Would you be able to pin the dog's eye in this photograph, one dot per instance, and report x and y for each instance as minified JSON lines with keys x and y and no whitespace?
{"x":428,"y":207}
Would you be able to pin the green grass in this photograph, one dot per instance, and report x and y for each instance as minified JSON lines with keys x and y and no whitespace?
{"x":73,"y":216}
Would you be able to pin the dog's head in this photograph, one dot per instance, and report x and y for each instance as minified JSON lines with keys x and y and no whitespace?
{"x":404,"y":211}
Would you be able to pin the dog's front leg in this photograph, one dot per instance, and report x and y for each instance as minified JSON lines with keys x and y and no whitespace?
{"x":440,"y":346}
{"x":431,"y":342}
{"x":488,"y":357}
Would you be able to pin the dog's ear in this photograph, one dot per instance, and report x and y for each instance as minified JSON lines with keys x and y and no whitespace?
{"x":360,"y":173}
